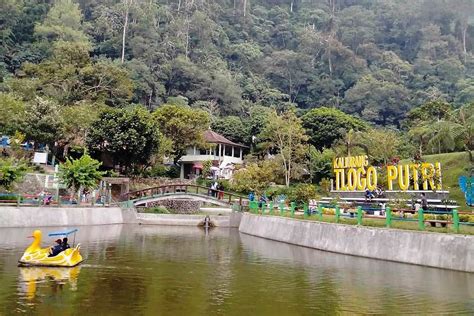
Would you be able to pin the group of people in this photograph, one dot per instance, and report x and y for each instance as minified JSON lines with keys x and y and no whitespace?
{"x":217,"y":190}
{"x":60,"y":246}
{"x":377,"y":193}
{"x":261,"y":201}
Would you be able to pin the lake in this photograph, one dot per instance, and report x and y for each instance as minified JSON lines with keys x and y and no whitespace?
{"x":164,"y":270}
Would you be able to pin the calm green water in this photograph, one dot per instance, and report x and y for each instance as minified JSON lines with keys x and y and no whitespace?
{"x":158,"y":270}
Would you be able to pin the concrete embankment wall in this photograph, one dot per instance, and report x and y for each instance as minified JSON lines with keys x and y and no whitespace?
{"x":448,"y":251}
{"x":232,"y":220}
{"x":64,"y":216}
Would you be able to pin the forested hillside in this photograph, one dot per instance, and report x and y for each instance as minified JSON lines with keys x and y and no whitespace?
{"x":376,"y":59}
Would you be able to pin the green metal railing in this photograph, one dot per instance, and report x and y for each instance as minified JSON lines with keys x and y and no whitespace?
{"x":358,"y":215}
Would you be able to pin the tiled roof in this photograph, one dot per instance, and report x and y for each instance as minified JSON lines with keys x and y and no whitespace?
{"x":214,"y":138}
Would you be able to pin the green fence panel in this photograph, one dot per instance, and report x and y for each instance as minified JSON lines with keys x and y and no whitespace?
{"x":338,"y":213}
{"x":293,"y":206}
{"x":271,"y":208}
{"x":282,"y":208}
{"x":456,"y":221}
{"x":421,"y":220}
{"x":388,"y":217}
{"x":359,"y":215}
{"x":320,"y":212}
{"x":306,"y":210}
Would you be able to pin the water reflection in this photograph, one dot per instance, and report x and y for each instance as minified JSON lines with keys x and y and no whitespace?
{"x":55,"y":277}
{"x":166,"y":270}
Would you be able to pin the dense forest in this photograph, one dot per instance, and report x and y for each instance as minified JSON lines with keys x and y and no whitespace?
{"x":375,"y":59}
{"x":299,"y":80}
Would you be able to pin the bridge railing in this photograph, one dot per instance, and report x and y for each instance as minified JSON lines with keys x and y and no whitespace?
{"x":227,"y":197}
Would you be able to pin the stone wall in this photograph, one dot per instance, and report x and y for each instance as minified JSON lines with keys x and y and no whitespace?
{"x":144,"y":183}
{"x":179,"y":206}
{"x":11,"y":216}
{"x":185,"y":220}
{"x":449,"y":251}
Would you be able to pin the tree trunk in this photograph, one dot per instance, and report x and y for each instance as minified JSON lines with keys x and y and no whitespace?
{"x":291,"y":6}
{"x":245,"y":7}
{"x":464,"y":34}
{"x":125,"y":25}
{"x":187,"y":38}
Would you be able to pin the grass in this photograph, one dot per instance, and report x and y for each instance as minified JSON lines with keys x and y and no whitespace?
{"x":371,"y":222}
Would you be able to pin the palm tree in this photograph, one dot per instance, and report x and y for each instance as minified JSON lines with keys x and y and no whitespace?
{"x":443,"y":135}
{"x":465,"y":121}
{"x":351,"y":140}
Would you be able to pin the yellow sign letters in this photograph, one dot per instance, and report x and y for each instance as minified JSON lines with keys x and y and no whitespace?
{"x":355,"y":174}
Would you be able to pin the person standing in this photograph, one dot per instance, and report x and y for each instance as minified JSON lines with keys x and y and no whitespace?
{"x":424,"y":202}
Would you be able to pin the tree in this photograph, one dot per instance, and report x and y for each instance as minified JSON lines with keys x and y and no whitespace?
{"x":381,"y":144}
{"x":232,"y":128}
{"x":183,"y":125}
{"x":80,"y":174}
{"x":77,"y":120}
{"x":254,"y":177}
{"x":12,"y":112}
{"x":130,"y":136}
{"x":320,"y":163}
{"x":11,"y":171}
{"x":63,"y":22}
{"x":465,"y":118}
{"x":379,"y":101}
{"x":324,"y":126}
{"x":287,"y":137}
{"x":70,"y":76}
{"x":43,"y":122}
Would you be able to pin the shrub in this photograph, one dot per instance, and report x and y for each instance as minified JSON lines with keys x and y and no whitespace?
{"x":302,"y":193}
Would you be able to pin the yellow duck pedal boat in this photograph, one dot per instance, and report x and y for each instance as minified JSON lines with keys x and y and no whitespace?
{"x":34,"y":255}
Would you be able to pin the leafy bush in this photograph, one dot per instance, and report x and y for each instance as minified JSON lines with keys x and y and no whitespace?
{"x":8,"y":197}
{"x":302,"y":193}
{"x":11,"y":171}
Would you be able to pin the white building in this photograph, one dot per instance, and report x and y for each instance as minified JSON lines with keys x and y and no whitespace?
{"x":223,"y":153}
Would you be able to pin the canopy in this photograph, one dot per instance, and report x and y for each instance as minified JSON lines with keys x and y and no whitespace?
{"x":63,"y":233}
{"x":197,"y":165}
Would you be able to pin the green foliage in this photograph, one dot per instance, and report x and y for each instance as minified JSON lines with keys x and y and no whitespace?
{"x":11,"y":171}
{"x":70,"y":76}
{"x":206,"y":168}
{"x":302,"y":193}
{"x":320,"y":163}
{"x":183,"y":125}
{"x":158,"y":210}
{"x":82,"y":173}
{"x":286,"y":136}
{"x":160,"y":170}
{"x":12,"y":113}
{"x":254,"y":177}
{"x":43,"y":122}
{"x":63,"y":22}
{"x":325,"y":125}
{"x":232,"y":128}
{"x":130,"y":136}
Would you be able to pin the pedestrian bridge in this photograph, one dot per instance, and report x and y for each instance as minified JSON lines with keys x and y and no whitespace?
{"x":182,"y":192}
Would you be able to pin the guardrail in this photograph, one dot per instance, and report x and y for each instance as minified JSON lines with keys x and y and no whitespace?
{"x":386,"y":217}
{"x":15,"y":199}
{"x":229,"y":197}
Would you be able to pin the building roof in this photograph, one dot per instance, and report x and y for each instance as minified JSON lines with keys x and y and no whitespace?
{"x":214,"y":138}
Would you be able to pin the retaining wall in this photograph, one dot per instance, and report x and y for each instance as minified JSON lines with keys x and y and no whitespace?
{"x":448,"y":251}
{"x":231,"y":220}
{"x":64,"y":216}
